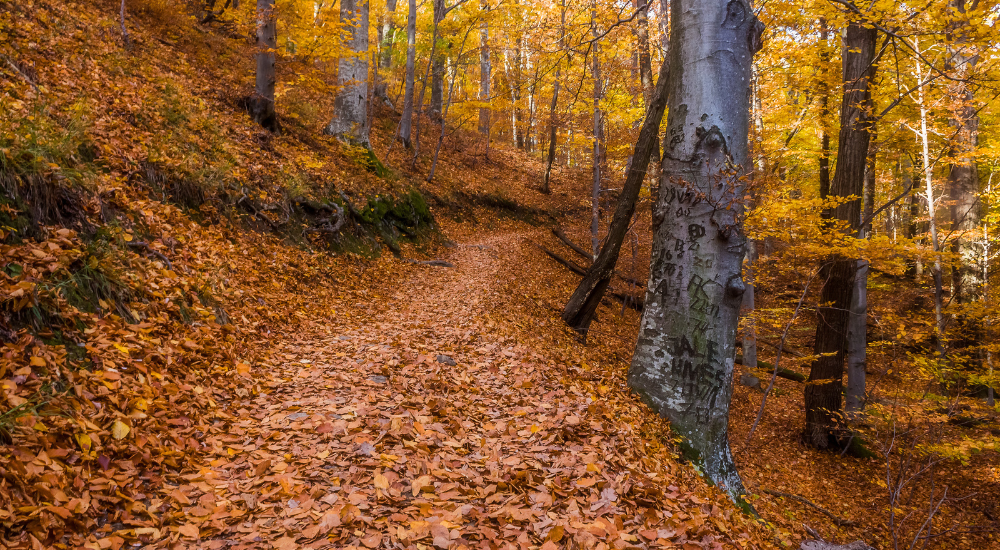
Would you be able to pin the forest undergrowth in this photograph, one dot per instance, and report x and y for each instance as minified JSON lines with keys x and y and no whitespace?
{"x":217,"y":337}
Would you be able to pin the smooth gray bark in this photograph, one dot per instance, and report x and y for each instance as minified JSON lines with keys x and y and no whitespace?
{"x":553,"y":132}
{"x":857,"y":325}
{"x":387,"y":33}
{"x":350,"y":107}
{"x":748,"y":306}
{"x":595,"y":198}
{"x":262,"y":104}
{"x":437,"y":65}
{"x":684,"y":357}
{"x":406,"y":121}
{"x":484,"y":69}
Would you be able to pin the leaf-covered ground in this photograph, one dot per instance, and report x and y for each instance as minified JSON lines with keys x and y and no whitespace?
{"x":404,"y":417}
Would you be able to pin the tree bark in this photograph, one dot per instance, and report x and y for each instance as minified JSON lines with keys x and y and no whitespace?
{"x":582,"y":305}
{"x":929,"y":195}
{"x":350,"y":107}
{"x":555,"y":102}
{"x":437,"y":65}
{"x":857,"y":328}
{"x":824,"y":425}
{"x":484,"y":69}
{"x":683,"y":362}
{"x":963,"y":180}
{"x":262,"y":106}
{"x":642,"y":42}
{"x":387,"y":34}
{"x":447,"y":107}
{"x":595,"y":196}
{"x":823,"y":90}
{"x":516,"y":96}
{"x":406,"y":121}
{"x":645,"y":64}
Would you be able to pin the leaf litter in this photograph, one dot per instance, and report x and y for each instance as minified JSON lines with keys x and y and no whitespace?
{"x":362,"y":437}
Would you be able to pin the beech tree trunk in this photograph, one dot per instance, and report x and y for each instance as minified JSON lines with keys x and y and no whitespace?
{"x":350,"y":107}
{"x":963,"y":180}
{"x":582,"y":305}
{"x":516,"y":96}
{"x":683,"y":362}
{"x":823,"y":89}
{"x":645,"y":65}
{"x":484,"y":70}
{"x":262,"y":106}
{"x":595,"y":197}
{"x":929,"y":196}
{"x":437,"y":66}
{"x":387,"y":34}
{"x":406,"y":121}
{"x":555,"y":102}
{"x":857,"y":328}
{"x":642,"y":42}
{"x":824,"y":426}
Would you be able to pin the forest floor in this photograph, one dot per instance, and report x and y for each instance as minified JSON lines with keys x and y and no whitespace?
{"x":417,"y":412}
{"x":188,"y":363}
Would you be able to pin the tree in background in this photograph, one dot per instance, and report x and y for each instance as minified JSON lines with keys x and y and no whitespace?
{"x":406,"y":119}
{"x":823,"y":403}
{"x":350,"y":111}
{"x":262,"y":103}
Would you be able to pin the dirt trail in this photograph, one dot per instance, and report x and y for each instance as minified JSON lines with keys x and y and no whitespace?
{"x":369,"y":436}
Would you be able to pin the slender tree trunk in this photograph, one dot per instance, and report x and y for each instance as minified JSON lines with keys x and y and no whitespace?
{"x":823,"y":90}
{"x":423,"y":86}
{"x":516,"y":94}
{"x":267,"y":43}
{"x":936,"y":273}
{"x":963,"y":181}
{"x":555,"y":102}
{"x":857,"y":328}
{"x":748,"y":306}
{"x":683,"y":362}
{"x":824,"y":427}
{"x":645,"y":64}
{"x":387,"y":34}
{"x":595,"y":197}
{"x":437,"y":64}
{"x":350,"y":107}
{"x":530,"y":139}
{"x":484,"y":69}
{"x":749,"y":295}
{"x":642,"y":41}
{"x":447,"y":107}
{"x":911,"y":212}
{"x":582,"y":305}
{"x":406,"y":121}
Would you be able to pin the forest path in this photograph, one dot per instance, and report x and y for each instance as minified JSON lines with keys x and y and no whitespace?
{"x":370,"y":437}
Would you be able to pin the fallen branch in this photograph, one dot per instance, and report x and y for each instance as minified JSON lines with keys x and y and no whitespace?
{"x":21,"y":74}
{"x":837,"y":520}
{"x":786,"y":350}
{"x":565,"y":263}
{"x":145,"y":246}
{"x":630,"y":302}
{"x":787,"y":374}
{"x":558,"y":232}
{"x":435,"y":263}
